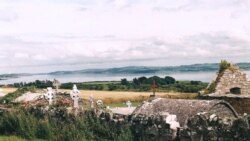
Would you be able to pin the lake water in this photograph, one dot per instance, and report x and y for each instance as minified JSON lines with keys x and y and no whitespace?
{"x":199,"y":76}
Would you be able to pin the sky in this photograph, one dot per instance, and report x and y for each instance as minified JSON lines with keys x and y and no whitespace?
{"x":51,"y":35}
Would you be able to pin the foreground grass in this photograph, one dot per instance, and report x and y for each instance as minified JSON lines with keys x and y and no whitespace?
{"x":33,"y":124}
{"x":10,"y":138}
{"x":15,"y":138}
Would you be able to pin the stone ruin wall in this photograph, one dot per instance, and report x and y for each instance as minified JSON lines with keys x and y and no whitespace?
{"x":241,"y":105}
{"x":233,"y":79}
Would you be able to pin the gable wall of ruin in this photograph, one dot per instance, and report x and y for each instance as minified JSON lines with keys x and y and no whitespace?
{"x":233,"y":79}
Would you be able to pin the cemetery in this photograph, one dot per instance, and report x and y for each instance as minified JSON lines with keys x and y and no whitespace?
{"x":214,"y":116}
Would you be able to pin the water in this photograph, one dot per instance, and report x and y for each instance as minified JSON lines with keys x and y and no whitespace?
{"x":199,"y":76}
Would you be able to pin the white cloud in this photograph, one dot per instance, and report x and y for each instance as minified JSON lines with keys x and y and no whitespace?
{"x":40,"y":57}
{"x":20,"y":55}
{"x":122,"y":32}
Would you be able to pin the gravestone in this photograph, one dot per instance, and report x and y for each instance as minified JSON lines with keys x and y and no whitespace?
{"x":99,"y":108}
{"x":74,"y":92}
{"x":76,"y":102}
{"x":91,"y":101}
{"x":99,"y":103}
{"x":49,"y":95}
{"x":128,"y":103}
{"x":56,"y":84}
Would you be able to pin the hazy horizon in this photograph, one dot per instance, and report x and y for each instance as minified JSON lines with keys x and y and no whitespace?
{"x":52,"y":35}
{"x":109,"y":67}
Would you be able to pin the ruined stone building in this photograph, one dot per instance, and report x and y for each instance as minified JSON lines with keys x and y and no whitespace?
{"x":184,"y":109}
{"x":233,"y":86}
{"x":232,"y":81}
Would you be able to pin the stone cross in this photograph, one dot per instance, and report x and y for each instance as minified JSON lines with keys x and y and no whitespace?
{"x":56,"y":84}
{"x":74,"y":92}
{"x":154,"y":86}
{"x":91,"y":101}
{"x":128,"y":103}
{"x":49,"y":95}
{"x":76,"y":104}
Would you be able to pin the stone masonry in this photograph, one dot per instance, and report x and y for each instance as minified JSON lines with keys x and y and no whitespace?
{"x":232,"y":81}
{"x":233,"y":86}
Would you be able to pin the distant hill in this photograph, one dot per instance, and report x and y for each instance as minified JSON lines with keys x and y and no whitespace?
{"x":13,"y":75}
{"x":135,"y":70}
{"x":213,"y":67}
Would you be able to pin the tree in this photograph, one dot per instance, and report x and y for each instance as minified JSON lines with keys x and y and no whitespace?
{"x":124,"y":81}
{"x":135,"y":81}
{"x":169,"y":80}
{"x":142,"y":80}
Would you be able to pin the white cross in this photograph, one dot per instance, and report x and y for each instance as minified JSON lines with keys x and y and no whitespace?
{"x":76,"y":105}
{"x":91,"y":101}
{"x":128,"y":103}
{"x":49,"y":95}
{"x":74,"y":92}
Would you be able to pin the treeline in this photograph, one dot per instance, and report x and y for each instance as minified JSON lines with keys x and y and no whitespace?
{"x":143,"y":83}
{"x":37,"y":83}
{"x":165,"y":84}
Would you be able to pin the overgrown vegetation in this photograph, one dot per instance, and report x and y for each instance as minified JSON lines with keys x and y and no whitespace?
{"x":31,"y":125}
{"x":34,"y":125}
{"x":223,"y":66}
{"x":10,"y":138}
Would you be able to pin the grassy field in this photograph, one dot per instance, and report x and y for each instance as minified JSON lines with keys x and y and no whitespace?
{"x":118,"y":98}
{"x":7,"y":90}
{"x":129,"y":95}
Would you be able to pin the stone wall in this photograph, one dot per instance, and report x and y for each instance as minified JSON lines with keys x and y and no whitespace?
{"x":240,"y":104}
{"x":232,"y":79}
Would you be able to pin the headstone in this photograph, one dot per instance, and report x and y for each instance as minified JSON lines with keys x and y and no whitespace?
{"x":99,"y":103}
{"x":49,"y":95}
{"x":56,"y":84}
{"x":91,"y":101}
{"x":76,"y":104}
{"x":75,"y":92}
{"x":128,"y":103}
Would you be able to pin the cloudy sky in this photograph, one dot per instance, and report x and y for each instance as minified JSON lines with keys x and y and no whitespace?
{"x":49,"y":35}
